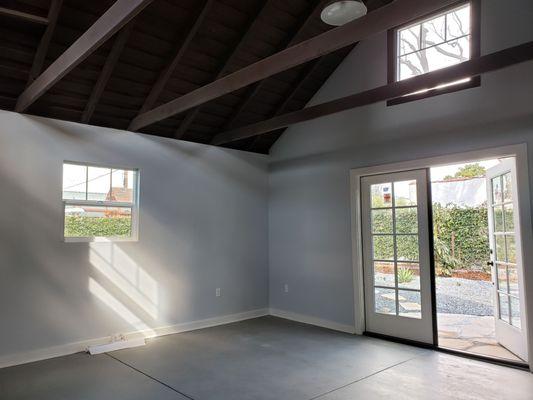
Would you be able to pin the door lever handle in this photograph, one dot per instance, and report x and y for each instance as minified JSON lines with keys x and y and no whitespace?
{"x":490,"y":263}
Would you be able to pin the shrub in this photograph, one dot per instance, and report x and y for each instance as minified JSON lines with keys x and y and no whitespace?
{"x":405,"y":275}
{"x":78,"y":226}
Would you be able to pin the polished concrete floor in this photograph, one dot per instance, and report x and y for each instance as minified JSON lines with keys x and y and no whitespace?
{"x":265,"y":358}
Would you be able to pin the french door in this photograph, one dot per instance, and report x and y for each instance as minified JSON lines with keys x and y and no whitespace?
{"x":397,"y":267}
{"x":506,"y":257}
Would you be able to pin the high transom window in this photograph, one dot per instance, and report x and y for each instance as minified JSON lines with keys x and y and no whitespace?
{"x":441,"y":40}
{"x":99,"y":202}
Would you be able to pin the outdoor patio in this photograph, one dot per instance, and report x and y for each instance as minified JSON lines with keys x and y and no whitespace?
{"x":471,"y":333}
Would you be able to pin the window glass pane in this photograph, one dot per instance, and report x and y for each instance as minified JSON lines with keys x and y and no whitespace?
{"x":509,"y":218}
{"x":498,"y":219}
{"x":410,"y":304}
{"x":500,"y":248}
{"x":412,"y":65}
{"x":385,"y":301}
{"x":122,"y":186}
{"x":447,"y":54}
{"x":513,"y":280}
{"x":74,"y":182}
{"x":511,"y":248}
{"x":434,"y":58}
{"x":384,"y":274}
{"x":409,"y":39}
{"x":407,"y":247}
{"x":405,"y":193}
{"x":381,"y":195}
{"x":434,"y":32}
{"x":515,"y":312}
{"x":502,"y":277}
{"x":95,"y":221}
{"x":507,"y":188}
{"x":382,"y":221}
{"x":99,"y":184}
{"x":459,"y":22}
{"x":383,"y":247}
{"x":497,"y":190}
{"x":409,"y":275}
{"x":407,"y":220}
{"x":504,"y":307}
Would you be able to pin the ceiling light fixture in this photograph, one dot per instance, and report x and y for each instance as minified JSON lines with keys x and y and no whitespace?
{"x":338,"y":13}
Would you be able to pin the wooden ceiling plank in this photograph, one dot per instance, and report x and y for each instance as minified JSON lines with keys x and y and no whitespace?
{"x":256,"y":88}
{"x":309,"y":70}
{"x":119,"y":14}
{"x":42,"y":49}
{"x":168,"y":71}
{"x":393,"y":14}
{"x":8,"y":12}
{"x":488,"y":63}
{"x":191,"y":115}
{"x":107,"y":70}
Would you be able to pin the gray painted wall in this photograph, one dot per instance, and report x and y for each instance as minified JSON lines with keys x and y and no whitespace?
{"x":309,"y":208}
{"x":203,"y":225}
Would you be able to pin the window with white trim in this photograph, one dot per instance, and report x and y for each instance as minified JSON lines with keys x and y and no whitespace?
{"x":440,"y":40}
{"x":99,"y":202}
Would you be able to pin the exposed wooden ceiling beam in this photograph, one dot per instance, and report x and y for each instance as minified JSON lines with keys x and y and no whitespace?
{"x":191,"y":115}
{"x":478,"y":66}
{"x":42,"y":50}
{"x":107,"y":70}
{"x":295,"y":38}
{"x":23,"y":16}
{"x":396,"y":13}
{"x":120,"y":13}
{"x":167,"y":72}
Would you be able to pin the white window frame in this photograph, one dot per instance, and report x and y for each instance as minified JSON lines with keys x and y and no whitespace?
{"x":97,"y":203}
{"x":447,"y":40}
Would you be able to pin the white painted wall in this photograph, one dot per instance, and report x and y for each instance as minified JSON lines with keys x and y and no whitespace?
{"x":203,"y":225}
{"x":309,"y":208}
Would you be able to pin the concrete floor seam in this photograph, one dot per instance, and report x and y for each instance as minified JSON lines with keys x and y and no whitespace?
{"x":365,"y":377}
{"x":150,"y":376}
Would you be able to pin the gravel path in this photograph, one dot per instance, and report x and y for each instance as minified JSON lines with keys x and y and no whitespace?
{"x":464,"y":296}
{"x":454,"y":296}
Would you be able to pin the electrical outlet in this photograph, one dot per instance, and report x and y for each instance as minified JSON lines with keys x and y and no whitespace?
{"x":217,"y":292}
{"x":286,"y":288}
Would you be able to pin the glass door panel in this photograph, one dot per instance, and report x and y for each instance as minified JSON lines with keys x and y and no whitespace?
{"x":396,"y":255}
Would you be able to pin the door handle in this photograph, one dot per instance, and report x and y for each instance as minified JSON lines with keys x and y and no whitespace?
{"x":490,"y":263}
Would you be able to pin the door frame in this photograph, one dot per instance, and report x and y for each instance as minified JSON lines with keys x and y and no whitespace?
{"x":518,"y":151}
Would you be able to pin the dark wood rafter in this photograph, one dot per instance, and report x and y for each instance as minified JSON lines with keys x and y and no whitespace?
{"x":397,"y":12}
{"x":107,"y":70}
{"x":42,"y":49}
{"x":8,"y":12}
{"x":488,"y":63}
{"x":293,"y":39}
{"x":169,"y":69}
{"x":119,"y":14}
{"x":191,"y":115}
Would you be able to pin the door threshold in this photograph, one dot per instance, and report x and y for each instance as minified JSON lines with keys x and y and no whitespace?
{"x":492,"y":360}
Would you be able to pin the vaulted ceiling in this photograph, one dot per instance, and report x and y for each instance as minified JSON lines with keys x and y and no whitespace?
{"x":168,"y":50}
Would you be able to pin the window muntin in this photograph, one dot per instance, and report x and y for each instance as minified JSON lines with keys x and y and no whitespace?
{"x":99,"y":202}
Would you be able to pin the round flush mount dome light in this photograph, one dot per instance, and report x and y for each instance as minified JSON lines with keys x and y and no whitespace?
{"x":338,"y":13}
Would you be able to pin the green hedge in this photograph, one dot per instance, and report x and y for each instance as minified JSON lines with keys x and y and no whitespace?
{"x":76,"y":226}
{"x":463,"y":231}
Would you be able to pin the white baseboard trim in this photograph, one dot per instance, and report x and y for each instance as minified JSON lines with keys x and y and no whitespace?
{"x":307,"y":319}
{"x":77,"y":347}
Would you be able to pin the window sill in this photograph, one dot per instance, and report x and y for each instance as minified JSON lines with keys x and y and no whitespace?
{"x":473,"y":83}
{"x":99,"y":239}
